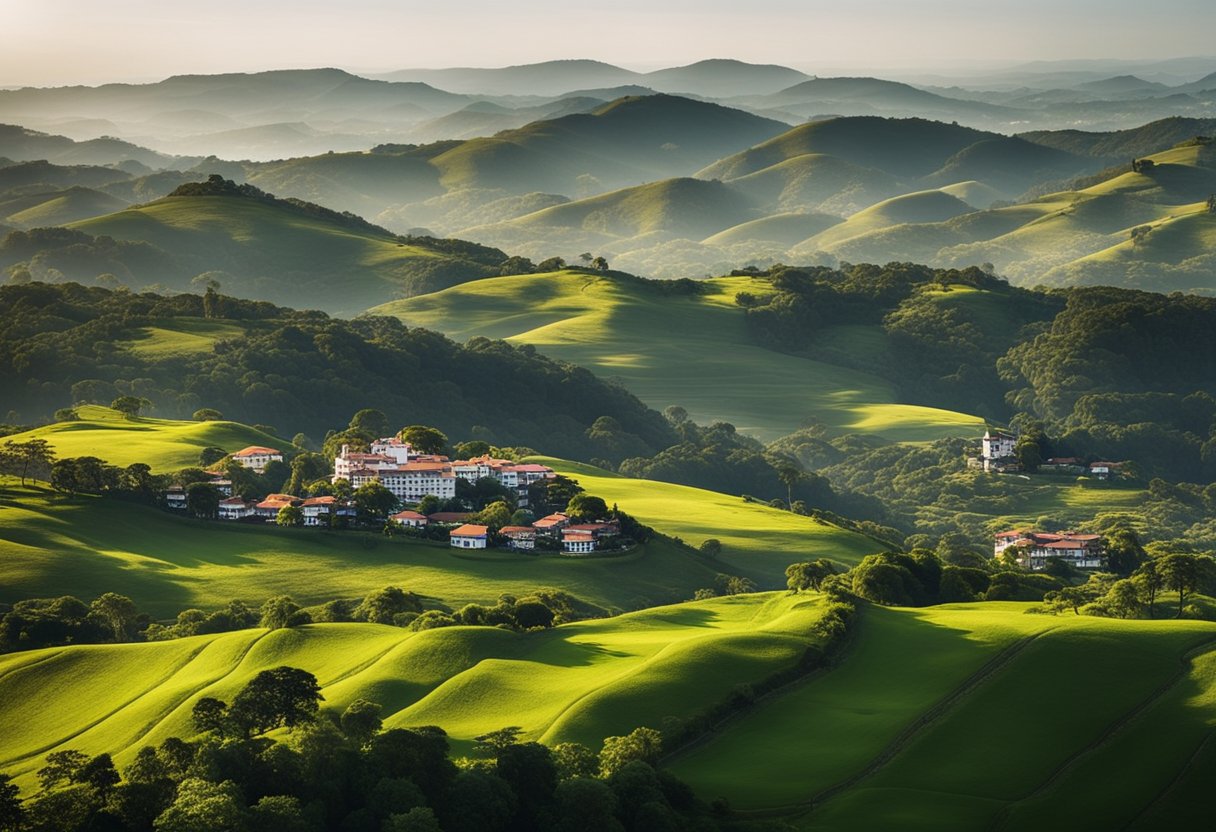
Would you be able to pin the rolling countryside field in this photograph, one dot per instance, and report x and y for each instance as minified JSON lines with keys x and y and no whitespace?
{"x":757,"y":541}
{"x":1007,"y":708}
{"x":669,"y":348}
{"x":576,"y":682}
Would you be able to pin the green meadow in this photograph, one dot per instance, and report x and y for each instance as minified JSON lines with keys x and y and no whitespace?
{"x":52,"y":546}
{"x":988,"y":713}
{"x":164,"y":444}
{"x":669,"y":348}
{"x":757,"y":540}
{"x":577,"y":682}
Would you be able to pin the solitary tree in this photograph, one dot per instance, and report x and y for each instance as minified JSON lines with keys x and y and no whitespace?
{"x":207,"y":414}
{"x":600,"y":264}
{"x":277,"y":612}
{"x":1149,"y":580}
{"x":24,"y":458}
{"x":130,"y":406}
{"x":790,"y":475}
{"x":1182,"y":573}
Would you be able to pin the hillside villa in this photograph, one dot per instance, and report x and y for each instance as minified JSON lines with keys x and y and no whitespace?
{"x":1034,"y":549}
{"x":256,"y":457}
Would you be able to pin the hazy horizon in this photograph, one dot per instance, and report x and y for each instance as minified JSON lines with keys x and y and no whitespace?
{"x":56,"y":42}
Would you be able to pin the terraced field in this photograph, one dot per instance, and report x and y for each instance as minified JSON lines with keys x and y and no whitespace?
{"x":987,"y":715}
{"x":164,"y":444}
{"x":757,"y":541}
{"x":578,"y":682}
{"x":667,"y":348}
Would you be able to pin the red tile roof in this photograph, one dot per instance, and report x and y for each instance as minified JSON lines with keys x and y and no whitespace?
{"x":320,"y":501}
{"x":510,"y":530}
{"x":470,"y":530}
{"x":257,"y":450}
{"x":409,"y":515}
{"x":450,"y":516}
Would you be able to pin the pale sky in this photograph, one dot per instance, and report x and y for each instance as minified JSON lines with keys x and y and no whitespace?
{"x":52,"y":42}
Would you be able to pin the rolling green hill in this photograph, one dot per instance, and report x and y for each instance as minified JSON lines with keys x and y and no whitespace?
{"x":53,"y":546}
{"x":39,"y":210}
{"x":972,"y":728}
{"x":757,"y":541}
{"x":690,"y":349}
{"x":686,"y":208}
{"x":1066,"y":238}
{"x":577,"y":682}
{"x":626,"y":142}
{"x":283,"y":252}
{"x":164,"y":444}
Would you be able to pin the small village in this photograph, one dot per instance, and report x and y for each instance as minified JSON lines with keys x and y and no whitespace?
{"x":412,"y":477}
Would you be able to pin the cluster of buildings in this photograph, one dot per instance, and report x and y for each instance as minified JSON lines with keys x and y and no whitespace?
{"x":1034,"y":549}
{"x":574,"y":538}
{"x":411,"y":476}
{"x":997,"y":456}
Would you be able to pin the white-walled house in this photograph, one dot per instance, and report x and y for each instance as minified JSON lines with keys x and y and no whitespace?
{"x":577,"y":542}
{"x":316,"y":510}
{"x":997,"y":445}
{"x":1034,"y":548}
{"x":235,"y":508}
{"x":470,"y":536}
{"x":410,"y":519}
{"x":175,"y":497}
{"x":256,"y":457}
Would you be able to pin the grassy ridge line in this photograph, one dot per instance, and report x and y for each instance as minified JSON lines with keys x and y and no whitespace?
{"x":759,"y":541}
{"x":165,"y":444}
{"x":667,"y":348}
{"x":469,"y":680}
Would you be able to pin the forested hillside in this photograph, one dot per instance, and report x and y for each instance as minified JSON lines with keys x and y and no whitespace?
{"x":299,"y":371}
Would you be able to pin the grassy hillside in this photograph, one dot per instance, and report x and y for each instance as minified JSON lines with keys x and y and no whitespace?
{"x":275,"y":251}
{"x":669,"y":348}
{"x":968,"y":732}
{"x":47,"y":208}
{"x":53,"y":546}
{"x":165,"y":444}
{"x":757,"y":541}
{"x":578,"y":682}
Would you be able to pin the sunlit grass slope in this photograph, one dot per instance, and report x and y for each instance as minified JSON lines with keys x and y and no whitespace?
{"x":164,"y":444}
{"x":579,"y":682}
{"x":668,"y":348}
{"x":757,"y":540}
{"x":51,"y":546}
{"x":971,"y":716}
